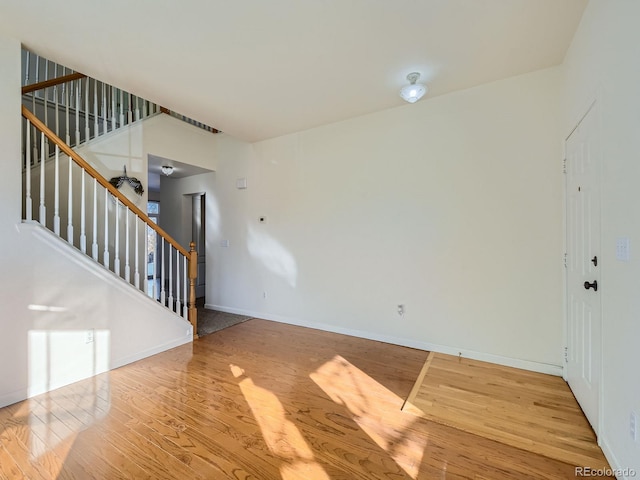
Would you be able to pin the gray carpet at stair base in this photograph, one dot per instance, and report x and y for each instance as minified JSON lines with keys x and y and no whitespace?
{"x":210,"y":321}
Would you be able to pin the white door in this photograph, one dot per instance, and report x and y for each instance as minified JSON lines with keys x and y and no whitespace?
{"x":584,"y":287}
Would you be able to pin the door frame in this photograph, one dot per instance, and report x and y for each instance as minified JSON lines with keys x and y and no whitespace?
{"x":596,"y":106}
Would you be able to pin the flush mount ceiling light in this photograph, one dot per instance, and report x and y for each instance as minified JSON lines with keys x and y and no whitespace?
{"x":414,"y":91}
{"x":167,"y":170}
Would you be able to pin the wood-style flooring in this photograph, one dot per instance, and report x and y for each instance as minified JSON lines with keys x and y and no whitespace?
{"x":263,"y":400}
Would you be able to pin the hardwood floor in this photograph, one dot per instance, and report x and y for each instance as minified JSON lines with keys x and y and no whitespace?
{"x":264,"y":400}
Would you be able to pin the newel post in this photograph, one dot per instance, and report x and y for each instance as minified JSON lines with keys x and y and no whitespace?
{"x":193,"y":273}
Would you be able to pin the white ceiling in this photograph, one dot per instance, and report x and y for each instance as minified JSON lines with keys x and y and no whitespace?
{"x":256,"y":69}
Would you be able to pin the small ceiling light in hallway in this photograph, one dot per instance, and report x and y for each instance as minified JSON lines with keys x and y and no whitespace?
{"x":167,"y":170}
{"x":414,"y":91}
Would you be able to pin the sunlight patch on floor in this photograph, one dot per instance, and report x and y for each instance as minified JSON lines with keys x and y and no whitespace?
{"x":281,"y":435}
{"x":375,"y":409}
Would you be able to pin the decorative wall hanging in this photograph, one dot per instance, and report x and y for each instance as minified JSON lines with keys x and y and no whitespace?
{"x":131,"y":181}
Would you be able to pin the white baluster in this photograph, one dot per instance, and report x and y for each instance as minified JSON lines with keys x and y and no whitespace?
{"x":155,"y":264}
{"x":83,"y":214}
{"x":177,"y":309}
{"x":105,"y":260}
{"x":96,"y":132}
{"x":37,"y":80}
{"x":136,"y":275}
{"x":46,"y":107}
{"x":105,"y":113}
{"x":121,"y":110}
{"x":43,"y":208}
{"x":170,"y":279}
{"x":87,"y":129}
{"x":56,"y":193}
{"x":28,"y":201}
{"x":116,"y":263}
{"x":137,"y":108}
{"x":185,"y":287}
{"x":66,"y":101}
{"x":145,"y":108}
{"x":27,"y":61}
{"x":55,"y":109}
{"x":94,"y":245}
{"x":70,"y":205}
{"x":77,"y":135}
{"x":113,"y":108}
{"x":162,"y":291}
{"x":127,"y":268}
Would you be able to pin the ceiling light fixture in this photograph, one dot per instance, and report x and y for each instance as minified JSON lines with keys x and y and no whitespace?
{"x":167,"y":170}
{"x":414,"y":91}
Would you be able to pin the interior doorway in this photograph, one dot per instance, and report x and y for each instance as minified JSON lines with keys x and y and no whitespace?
{"x":198,"y":215}
{"x":584,"y":264}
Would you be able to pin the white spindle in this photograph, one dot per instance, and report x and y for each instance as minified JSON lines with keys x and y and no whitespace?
{"x":116,"y":263}
{"x":177,"y":309}
{"x":87,"y":129}
{"x":155,"y":265}
{"x":177,"y":306}
{"x":26,"y":74}
{"x":55,"y":109}
{"x":105,"y":114}
{"x":56,"y":193}
{"x":121,"y":109}
{"x":136,"y":275}
{"x":94,"y":245}
{"x":105,"y":259}
{"x":70,"y":205}
{"x":162,"y":291}
{"x":137,"y":108}
{"x":127,"y":268}
{"x":83,"y":214}
{"x":66,"y":119}
{"x":37,"y":80}
{"x":78,"y":84}
{"x":46,"y":107}
{"x":28,"y":200}
{"x":185,"y":287}
{"x":96,"y":133}
{"x":144,"y":108}
{"x":113,"y":108}
{"x":43,"y":208}
{"x":170,"y":279}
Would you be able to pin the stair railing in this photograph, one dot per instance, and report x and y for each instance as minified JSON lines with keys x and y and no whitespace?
{"x":78,"y":108}
{"x":103,"y":219}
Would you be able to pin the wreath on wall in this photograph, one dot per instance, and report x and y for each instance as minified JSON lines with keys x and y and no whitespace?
{"x":132,"y":181}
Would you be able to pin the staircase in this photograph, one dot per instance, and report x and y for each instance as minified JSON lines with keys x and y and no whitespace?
{"x":62,"y":192}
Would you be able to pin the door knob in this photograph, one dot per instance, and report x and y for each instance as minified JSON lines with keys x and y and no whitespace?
{"x":594,"y":260}
{"x":593,"y":285}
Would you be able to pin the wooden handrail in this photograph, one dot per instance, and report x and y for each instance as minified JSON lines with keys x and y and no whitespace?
{"x":52,"y":82}
{"x":101,"y":180}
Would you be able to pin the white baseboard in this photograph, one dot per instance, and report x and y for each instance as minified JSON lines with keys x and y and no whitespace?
{"x":405,"y":342}
{"x":622,"y":473}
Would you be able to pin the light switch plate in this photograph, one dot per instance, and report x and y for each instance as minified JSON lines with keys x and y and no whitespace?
{"x":622,"y":249}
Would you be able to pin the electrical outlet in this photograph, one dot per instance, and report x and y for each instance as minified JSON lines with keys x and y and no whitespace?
{"x":264,"y":294}
{"x":88,"y":336}
{"x":400,"y":309}
{"x":633,"y":426}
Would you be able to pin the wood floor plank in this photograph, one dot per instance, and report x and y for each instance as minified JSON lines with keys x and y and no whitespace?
{"x":263,"y":400}
{"x":530,"y":411}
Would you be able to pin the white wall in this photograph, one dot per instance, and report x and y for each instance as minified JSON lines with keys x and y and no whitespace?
{"x":451,"y":206}
{"x":604,"y":63}
{"x":49,"y":297}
